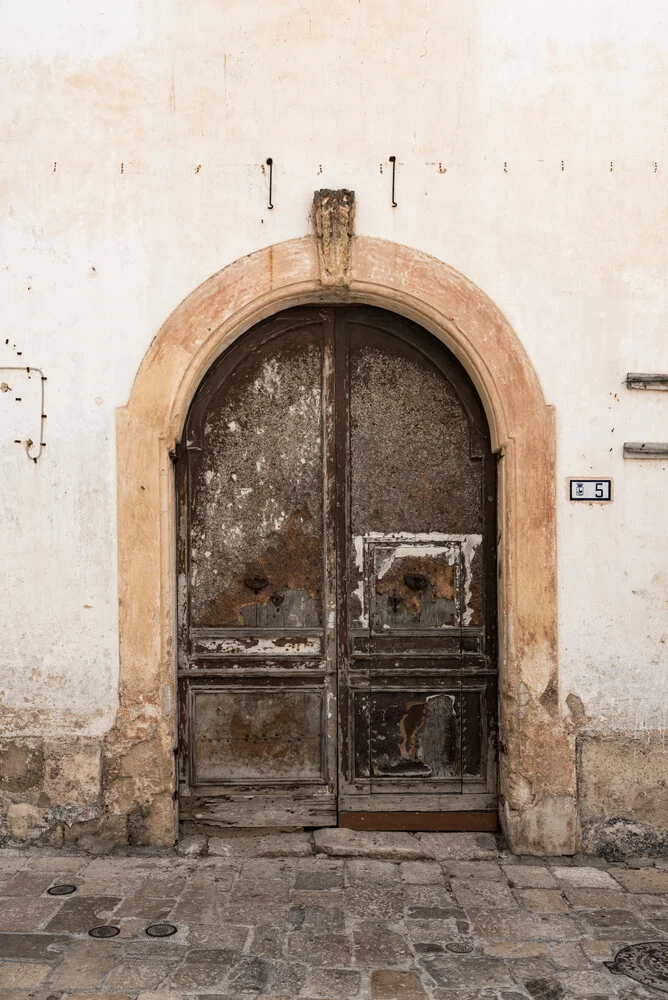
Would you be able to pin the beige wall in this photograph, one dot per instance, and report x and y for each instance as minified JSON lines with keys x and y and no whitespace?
{"x":133,"y":141}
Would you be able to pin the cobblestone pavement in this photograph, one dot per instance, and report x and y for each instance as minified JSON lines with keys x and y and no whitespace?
{"x":411,"y":917}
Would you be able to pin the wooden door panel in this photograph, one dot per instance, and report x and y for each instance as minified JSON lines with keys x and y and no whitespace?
{"x":360,"y":752}
{"x":257,"y":669}
{"x":411,"y":468}
{"x":257,"y":737}
{"x":418,"y":572}
{"x":215,"y":643}
{"x":256,"y":492}
{"x":408,"y":643}
{"x":479,"y":698}
{"x":298,"y":807}
{"x":413,"y":585}
{"x":415,"y":737}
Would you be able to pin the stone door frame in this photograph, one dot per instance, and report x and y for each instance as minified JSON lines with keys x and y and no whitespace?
{"x":537,"y":752}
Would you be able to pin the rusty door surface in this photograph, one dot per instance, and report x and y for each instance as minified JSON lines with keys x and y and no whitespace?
{"x":336,"y":504}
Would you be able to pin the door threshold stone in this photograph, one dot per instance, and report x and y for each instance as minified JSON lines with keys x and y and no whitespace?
{"x":394,"y":846}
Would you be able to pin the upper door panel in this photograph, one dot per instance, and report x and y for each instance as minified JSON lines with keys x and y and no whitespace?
{"x":416,"y":509}
{"x":256,"y":529}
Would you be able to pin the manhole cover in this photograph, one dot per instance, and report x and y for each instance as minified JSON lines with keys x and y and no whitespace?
{"x":647,"y":963}
{"x":459,"y":947}
{"x":105,"y":931}
{"x":61,"y":890}
{"x":161,"y":930}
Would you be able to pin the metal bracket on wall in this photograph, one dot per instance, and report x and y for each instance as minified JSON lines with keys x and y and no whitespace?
{"x":640,"y":380}
{"x":393,"y":161}
{"x":28,"y":443}
{"x":270,"y":164}
{"x":646,"y":449}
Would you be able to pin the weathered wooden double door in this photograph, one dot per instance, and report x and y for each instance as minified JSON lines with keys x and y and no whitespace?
{"x":336,"y":559}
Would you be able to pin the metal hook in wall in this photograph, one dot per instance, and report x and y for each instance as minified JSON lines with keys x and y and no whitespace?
{"x":270,"y":164}
{"x":393,"y":161}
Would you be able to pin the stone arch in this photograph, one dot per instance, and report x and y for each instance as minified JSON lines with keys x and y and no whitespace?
{"x":537,"y":762}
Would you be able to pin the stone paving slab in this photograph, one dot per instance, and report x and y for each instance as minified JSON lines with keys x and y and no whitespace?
{"x":286,"y":845}
{"x":374,"y":918}
{"x":460,"y":846}
{"x":590,"y":878}
{"x":358,"y":844}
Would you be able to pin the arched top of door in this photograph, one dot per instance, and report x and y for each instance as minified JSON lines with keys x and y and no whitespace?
{"x":383,"y":323}
{"x":392,"y":277}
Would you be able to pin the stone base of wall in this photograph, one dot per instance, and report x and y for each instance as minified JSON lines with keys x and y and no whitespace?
{"x":69,"y":792}
{"x":72,"y":792}
{"x":48,"y":787}
{"x":623,"y":794}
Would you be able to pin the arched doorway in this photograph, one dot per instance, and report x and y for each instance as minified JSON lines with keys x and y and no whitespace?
{"x":337,"y":581}
{"x":537,"y":789}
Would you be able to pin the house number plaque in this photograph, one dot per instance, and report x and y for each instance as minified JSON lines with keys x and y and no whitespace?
{"x":590,"y":490}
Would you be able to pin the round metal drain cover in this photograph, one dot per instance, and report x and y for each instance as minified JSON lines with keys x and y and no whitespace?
{"x":161,"y":930}
{"x":647,"y":963}
{"x":459,"y":947}
{"x":105,"y":931}
{"x":61,"y":890}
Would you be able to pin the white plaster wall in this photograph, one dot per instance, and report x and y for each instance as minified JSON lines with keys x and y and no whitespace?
{"x":132,"y":141}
